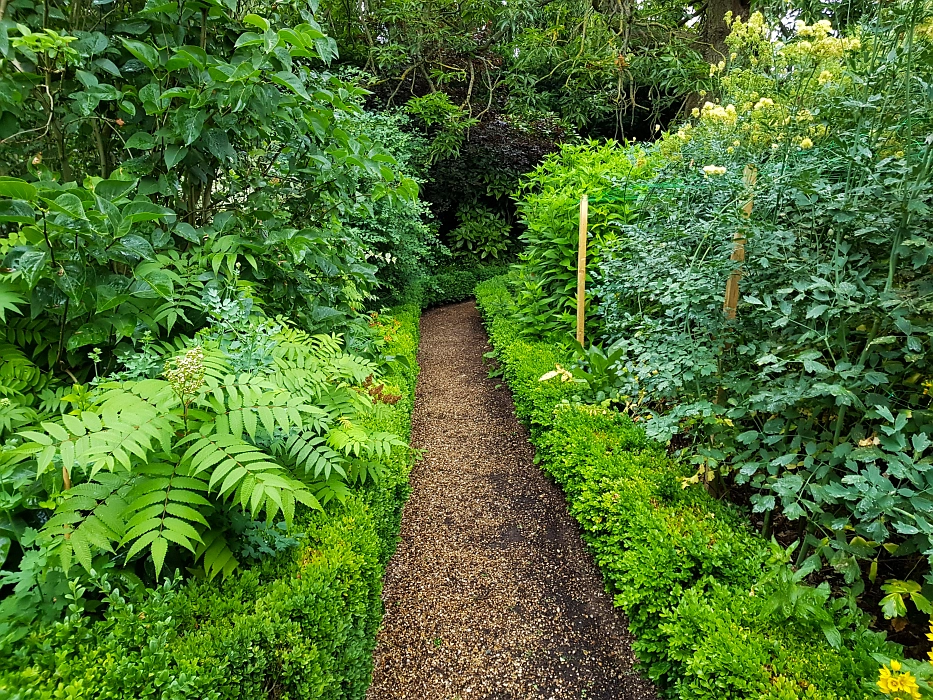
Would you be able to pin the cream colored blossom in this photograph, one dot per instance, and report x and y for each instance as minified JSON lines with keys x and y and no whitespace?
{"x":713,"y":170}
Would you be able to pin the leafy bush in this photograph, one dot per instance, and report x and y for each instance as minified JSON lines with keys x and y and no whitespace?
{"x":812,"y":390}
{"x":803,"y":187}
{"x":300,"y":624}
{"x":548,"y":206}
{"x":454,"y":283}
{"x":480,"y":232}
{"x":697,"y":587}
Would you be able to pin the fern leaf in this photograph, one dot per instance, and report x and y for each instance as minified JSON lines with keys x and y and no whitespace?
{"x":158,"y":548}
{"x":9,"y":301}
{"x":217,"y":556}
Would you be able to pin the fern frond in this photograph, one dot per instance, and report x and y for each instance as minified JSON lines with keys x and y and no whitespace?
{"x":216,"y":554}
{"x":242,"y":472}
{"x":329,"y":489}
{"x":9,"y":300}
{"x":91,"y":515}
{"x":164,"y":506}
{"x":312,"y":453}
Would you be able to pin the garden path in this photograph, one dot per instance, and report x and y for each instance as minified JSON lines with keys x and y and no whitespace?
{"x":491,"y":593}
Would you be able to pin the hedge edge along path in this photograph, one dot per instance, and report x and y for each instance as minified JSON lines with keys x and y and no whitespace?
{"x":686,"y":570}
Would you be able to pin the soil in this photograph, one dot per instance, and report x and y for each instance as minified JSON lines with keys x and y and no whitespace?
{"x":491,"y":593}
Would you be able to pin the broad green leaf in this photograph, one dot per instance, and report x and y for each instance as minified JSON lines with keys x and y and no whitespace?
{"x":15,"y":188}
{"x":141,"y":140}
{"x":93,"y":333}
{"x":256,"y":21}
{"x":292,"y":82}
{"x":145,"y":53}
{"x":112,"y":190}
{"x":174,"y":154}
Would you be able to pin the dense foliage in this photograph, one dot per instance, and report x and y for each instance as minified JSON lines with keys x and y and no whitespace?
{"x":299,"y":622}
{"x":202,"y":417}
{"x":717,"y":612}
{"x":760,"y":279}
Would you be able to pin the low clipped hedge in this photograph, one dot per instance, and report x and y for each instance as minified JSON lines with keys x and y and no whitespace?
{"x":684,"y":568}
{"x":299,"y":625}
{"x":454,"y":283}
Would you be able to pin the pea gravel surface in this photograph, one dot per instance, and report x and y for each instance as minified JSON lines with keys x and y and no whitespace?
{"x":491,"y":593}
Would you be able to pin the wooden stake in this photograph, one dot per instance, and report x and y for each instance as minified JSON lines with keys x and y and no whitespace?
{"x":750,"y":175}
{"x":581,"y":267}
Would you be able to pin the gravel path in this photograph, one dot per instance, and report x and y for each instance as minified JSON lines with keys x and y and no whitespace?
{"x":491,"y":593}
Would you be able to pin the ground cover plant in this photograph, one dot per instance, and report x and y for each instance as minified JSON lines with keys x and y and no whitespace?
{"x":802,"y":181}
{"x":298,"y":619}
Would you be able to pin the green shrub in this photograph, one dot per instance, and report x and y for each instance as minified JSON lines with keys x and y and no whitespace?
{"x":480,"y":233}
{"x":298,"y":625}
{"x":686,"y":570}
{"x":456,"y":282}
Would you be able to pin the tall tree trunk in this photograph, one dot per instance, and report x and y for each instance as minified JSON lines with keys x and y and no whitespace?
{"x":715,"y":30}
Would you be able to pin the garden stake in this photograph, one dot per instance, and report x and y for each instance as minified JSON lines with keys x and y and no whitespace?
{"x":581,"y":267}
{"x":749,"y":175}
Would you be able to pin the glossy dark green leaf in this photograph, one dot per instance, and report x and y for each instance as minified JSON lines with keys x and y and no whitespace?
{"x":174,"y":155}
{"x":89,"y":334}
{"x":144,"y":52}
{"x":112,"y":190}
{"x":133,"y":246}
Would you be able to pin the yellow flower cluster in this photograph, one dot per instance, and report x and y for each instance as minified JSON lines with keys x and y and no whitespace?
{"x":718,"y":113}
{"x":818,"y":43}
{"x":900,"y":686}
{"x":820,"y":30}
{"x":756,"y":25}
{"x":713,"y":170}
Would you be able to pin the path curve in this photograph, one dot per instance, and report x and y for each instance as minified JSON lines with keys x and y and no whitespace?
{"x":491,"y":593}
